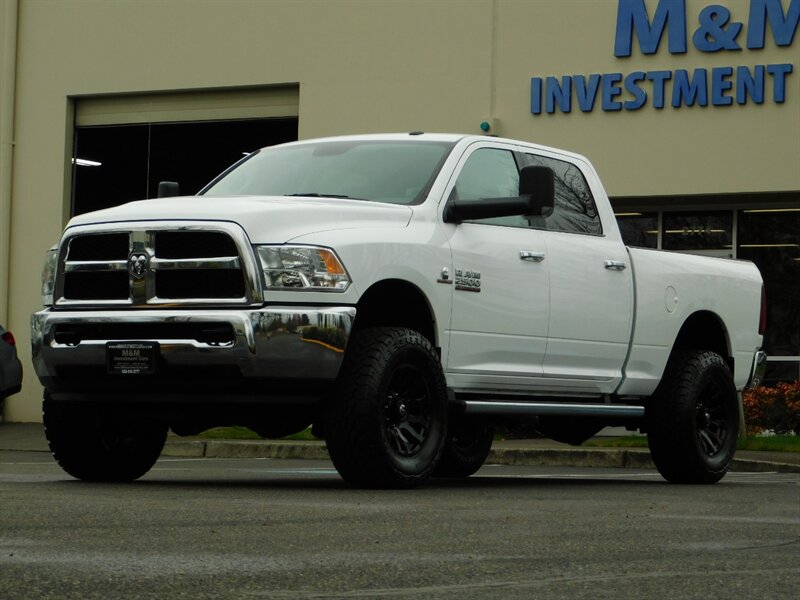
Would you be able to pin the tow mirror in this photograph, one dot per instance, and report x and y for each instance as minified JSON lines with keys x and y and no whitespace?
{"x":167,"y":189}
{"x":485,"y":208}
{"x":538,"y":183}
{"x":536,"y":197}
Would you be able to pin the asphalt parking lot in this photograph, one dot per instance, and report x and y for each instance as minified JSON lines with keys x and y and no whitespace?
{"x":275,"y":528}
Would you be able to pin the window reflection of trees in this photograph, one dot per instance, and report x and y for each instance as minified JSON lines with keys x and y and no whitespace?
{"x":574,"y":210}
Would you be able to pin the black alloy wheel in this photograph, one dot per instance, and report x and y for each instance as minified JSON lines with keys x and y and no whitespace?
{"x":407,"y":410}
{"x":693,"y":419}
{"x":387,"y":421}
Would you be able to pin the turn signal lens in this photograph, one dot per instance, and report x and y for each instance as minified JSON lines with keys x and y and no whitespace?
{"x":49,"y":276}
{"x":332,"y":263}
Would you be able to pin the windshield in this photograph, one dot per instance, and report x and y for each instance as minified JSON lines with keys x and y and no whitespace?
{"x":397,"y":172}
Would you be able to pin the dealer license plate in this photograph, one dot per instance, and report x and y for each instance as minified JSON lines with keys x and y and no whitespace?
{"x":132,"y":358}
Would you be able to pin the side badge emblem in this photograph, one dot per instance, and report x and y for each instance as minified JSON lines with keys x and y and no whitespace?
{"x":468,"y":281}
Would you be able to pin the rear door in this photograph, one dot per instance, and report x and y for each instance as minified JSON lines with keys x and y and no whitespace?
{"x":591,"y":285}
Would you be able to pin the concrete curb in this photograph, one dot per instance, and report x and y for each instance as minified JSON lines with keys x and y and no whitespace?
{"x":762,"y":466}
{"x":311,"y":450}
{"x":579,"y":457}
{"x":551,"y":457}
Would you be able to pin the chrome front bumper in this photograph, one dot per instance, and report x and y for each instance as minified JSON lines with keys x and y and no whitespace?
{"x":272,"y":343}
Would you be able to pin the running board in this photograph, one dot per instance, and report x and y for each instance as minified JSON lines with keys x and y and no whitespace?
{"x":562,"y":409}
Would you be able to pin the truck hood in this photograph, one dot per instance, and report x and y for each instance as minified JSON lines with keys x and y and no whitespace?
{"x":265,"y":219}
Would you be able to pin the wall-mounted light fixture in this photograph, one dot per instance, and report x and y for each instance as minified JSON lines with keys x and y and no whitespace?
{"x":83,"y":162}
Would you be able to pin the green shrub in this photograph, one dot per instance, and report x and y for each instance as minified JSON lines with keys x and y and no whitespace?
{"x":774,"y":409}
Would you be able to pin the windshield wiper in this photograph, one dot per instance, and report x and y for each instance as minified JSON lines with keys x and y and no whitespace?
{"x":317,"y":195}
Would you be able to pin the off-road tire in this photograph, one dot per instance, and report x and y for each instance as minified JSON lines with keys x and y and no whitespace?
{"x":98,"y":442}
{"x":466,"y":449}
{"x":693,"y":419}
{"x":387,"y":421}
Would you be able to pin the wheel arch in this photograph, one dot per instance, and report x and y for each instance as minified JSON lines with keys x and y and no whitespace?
{"x":704,"y":330}
{"x":396,"y":303}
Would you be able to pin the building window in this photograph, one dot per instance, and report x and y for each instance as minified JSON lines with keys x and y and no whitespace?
{"x":639,"y":229}
{"x":771,"y":239}
{"x":115,"y":164}
{"x":709,"y":233}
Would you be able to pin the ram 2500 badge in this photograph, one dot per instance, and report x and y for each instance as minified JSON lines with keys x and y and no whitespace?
{"x":402,"y":294}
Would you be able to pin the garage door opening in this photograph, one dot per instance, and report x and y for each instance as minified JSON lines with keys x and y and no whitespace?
{"x":114,"y":164}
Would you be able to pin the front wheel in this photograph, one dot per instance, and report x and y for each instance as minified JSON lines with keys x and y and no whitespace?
{"x":97,"y":442}
{"x":387,"y":421}
{"x":693,"y":420}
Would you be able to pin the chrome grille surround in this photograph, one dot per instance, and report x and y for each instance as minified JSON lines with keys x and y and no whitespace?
{"x":103,"y":264}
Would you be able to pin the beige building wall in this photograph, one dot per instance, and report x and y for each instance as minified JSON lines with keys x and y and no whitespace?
{"x":370,"y":66}
{"x":689,"y":150}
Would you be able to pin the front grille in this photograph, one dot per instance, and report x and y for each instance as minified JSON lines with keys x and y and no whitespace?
{"x":199,"y":283}
{"x":108,"y":246}
{"x":155,"y":266}
{"x":194,"y":244}
{"x":97,"y":285}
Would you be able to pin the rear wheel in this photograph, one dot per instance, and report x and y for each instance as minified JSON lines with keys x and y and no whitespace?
{"x":466,"y":449}
{"x":693,"y":420}
{"x":96,"y":442}
{"x":388,"y":419}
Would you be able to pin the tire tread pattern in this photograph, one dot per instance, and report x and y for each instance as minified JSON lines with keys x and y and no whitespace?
{"x":353,"y":430}
{"x":81,"y":449}
{"x":671,"y":419}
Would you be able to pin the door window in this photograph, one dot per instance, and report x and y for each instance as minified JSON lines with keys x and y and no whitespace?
{"x":489,"y":173}
{"x":574,"y":210}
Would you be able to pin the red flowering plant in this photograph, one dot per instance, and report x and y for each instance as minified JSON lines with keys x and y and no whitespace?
{"x":775,"y":409}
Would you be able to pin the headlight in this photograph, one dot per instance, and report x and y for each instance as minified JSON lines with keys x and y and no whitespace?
{"x":302,"y":268}
{"x":49,"y":276}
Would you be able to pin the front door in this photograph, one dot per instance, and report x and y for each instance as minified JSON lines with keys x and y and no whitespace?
{"x":498,"y":331}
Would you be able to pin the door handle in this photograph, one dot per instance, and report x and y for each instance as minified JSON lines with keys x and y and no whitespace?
{"x":614,"y":265}
{"x":531,"y":256}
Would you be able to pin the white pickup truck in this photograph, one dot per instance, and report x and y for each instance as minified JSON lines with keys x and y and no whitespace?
{"x":403,"y":294}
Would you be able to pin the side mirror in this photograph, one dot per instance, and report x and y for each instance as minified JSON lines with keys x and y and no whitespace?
{"x":538,"y":183}
{"x":167,"y":189}
{"x":536,"y":197}
{"x":486,"y":208}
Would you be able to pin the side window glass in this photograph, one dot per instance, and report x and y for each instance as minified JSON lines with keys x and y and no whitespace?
{"x":489,"y":173}
{"x":574,"y":210}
